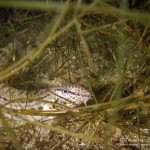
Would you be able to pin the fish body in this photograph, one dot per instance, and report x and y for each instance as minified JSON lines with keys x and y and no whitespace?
{"x":51,"y":100}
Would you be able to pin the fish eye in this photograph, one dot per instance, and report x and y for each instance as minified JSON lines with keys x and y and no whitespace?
{"x":65,"y":91}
